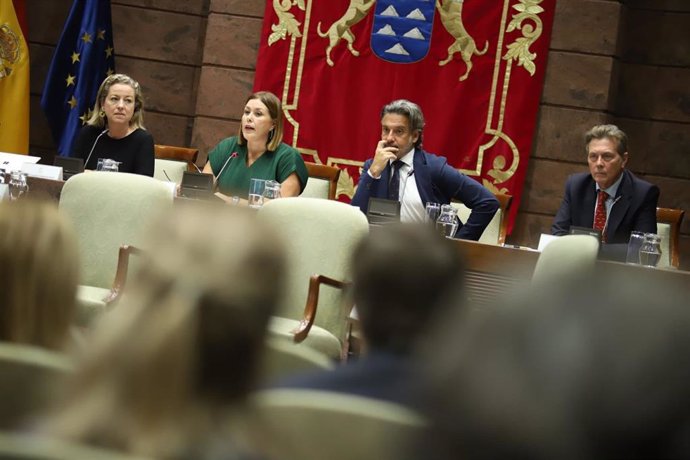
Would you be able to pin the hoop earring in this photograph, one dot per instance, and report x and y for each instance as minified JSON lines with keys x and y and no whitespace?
{"x":270,"y":134}
{"x":101,"y":113}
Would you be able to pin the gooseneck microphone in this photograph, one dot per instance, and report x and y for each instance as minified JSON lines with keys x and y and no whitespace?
{"x":230,"y":157}
{"x":94,"y":146}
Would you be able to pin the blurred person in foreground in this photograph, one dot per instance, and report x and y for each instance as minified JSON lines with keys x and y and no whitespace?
{"x":609,"y":198}
{"x":170,"y":366}
{"x":115,"y":129}
{"x":402,"y":171}
{"x":257,"y":152}
{"x":571,"y":371}
{"x":39,"y":272}
{"x":403,"y":278}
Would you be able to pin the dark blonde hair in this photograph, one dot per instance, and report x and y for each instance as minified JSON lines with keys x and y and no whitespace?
{"x":275,"y":110}
{"x":183,"y":345}
{"x":97,"y":119}
{"x":39,"y":271}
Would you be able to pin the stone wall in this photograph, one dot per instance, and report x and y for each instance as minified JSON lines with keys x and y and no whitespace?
{"x":626,"y":62}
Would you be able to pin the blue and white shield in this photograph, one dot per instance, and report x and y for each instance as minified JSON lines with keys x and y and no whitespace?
{"x":402,"y":29}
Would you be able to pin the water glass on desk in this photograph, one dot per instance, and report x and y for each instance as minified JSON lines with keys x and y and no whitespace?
{"x":650,"y":251}
{"x":433,"y":210}
{"x":256,"y":193}
{"x":634,"y":244}
{"x":271,"y":190}
{"x":18,"y":185}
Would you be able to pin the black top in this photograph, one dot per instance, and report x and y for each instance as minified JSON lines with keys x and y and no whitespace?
{"x":134,"y":152}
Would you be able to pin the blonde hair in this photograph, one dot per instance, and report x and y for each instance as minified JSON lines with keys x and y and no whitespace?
{"x":183,"y":345}
{"x":97,"y":119}
{"x":39,"y":272}
{"x":275,"y":110}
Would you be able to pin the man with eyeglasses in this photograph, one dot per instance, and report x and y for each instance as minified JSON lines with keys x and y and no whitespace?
{"x":610,"y":198}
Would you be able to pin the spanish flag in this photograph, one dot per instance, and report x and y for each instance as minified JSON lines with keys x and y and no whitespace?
{"x":14,"y":83}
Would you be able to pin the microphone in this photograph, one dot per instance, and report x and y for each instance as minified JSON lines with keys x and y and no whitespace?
{"x":197,"y":168}
{"x":94,"y":145}
{"x":232,"y":155}
{"x":166,"y":175}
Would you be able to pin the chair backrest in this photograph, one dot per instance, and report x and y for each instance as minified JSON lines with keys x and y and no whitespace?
{"x":283,"y":358}
{"x":310,"y":425}
{"x":323,"y":181}
{"x":565,"y":256}
{"x":495,"y":232}
{"x":320,"y":236}
{"x":169,"y":170}
{"x":171,"y":152}
{"x":108,"y":210}
{"x":26,"y":374}
{"x":668,"y":222}
{"x":20,"y":446}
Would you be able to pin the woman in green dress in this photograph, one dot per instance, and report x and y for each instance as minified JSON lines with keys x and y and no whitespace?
{"x":257,"y":152}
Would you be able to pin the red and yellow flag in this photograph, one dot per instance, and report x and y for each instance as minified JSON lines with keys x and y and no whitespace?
{"x":14,"y":82}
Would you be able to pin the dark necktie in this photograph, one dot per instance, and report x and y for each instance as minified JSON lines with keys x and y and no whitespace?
{"x":394,"y":184}
{"x":600,"y":214}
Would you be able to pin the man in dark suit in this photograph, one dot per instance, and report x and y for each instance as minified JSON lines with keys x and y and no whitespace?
{"x":421,"y":177}
{"x":629,"y":203}
{"x":404,"y":277}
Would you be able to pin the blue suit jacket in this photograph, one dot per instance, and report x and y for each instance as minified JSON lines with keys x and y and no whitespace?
{"x":635,"y":208}
{"x":379,"y":375}
{"x":437,"y":182}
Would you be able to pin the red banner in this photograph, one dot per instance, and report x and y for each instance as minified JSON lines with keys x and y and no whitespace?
{"x":476,"y":68}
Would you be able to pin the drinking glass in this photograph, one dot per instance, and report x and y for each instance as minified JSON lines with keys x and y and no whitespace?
{"x":99,"y":164}
{"x":256,"y":193}
{"x":634,"y":244}
{"x":650,"y":251}
{"x":271,"y":190}
{"x":18,"y":185}
{"x":433,"y":210}
{"x":110,"y":165}
{"x":447,"y":222}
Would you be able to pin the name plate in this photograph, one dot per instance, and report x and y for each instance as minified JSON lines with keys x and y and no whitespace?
{"x":43,"y":171}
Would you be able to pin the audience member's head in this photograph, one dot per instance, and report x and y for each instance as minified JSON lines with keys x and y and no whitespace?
{"x":39,"y":272}
{"x":181,"y":348}
{"x":404,"y":276}
{"x":593,"y":369}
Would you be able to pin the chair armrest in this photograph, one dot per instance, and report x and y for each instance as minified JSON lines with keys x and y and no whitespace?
{"x":315,"y":282}
{"x":121,"y":273}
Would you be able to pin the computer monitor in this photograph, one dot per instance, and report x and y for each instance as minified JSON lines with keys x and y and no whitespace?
{"x":70,"y":166}
{"x":196,"y":185}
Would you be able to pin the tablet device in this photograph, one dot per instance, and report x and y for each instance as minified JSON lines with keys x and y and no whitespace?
{"x":70,"y":165}
{"x":383,"y":212}
{"x":198,"y":186}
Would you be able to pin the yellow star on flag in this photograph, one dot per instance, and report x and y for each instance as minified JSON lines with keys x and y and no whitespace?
{"x":101,"y":34}
{"x":85,"y":117}
{"x":75,"y":57}
{"x":109,"y":51}
{"x":72,"y":102}
{"x":70,"y":80}
{"x":86,"y":38}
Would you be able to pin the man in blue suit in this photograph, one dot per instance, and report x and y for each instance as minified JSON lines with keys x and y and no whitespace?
{"x":630,"y":203}
{"x":422,"y":177}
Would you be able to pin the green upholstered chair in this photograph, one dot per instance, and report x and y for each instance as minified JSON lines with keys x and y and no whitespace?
{"x":323,"y":181}
{"x":16,"y":446}
{"x":169,"y":170}
{"x":495,"y":232}
{"x":109,"y":211}
{"x":26,"y":374}
{"x":321,"y":235}
{"x":310,"y":425}
{"x":282,"y":359}
{"x":565,"y":256}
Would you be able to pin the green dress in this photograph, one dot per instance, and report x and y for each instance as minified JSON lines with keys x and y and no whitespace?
{"x":272,"y":165}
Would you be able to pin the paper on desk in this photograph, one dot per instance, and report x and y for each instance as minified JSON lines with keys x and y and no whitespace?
{"x":13,"y":161}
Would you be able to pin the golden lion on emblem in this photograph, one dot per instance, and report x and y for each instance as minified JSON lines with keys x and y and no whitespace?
{"x":9,"y":50}
{"x":340,"y":29}
{"x":451,"y":17}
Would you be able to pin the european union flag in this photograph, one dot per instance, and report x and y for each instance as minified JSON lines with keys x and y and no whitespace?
{"x":83,"y":58}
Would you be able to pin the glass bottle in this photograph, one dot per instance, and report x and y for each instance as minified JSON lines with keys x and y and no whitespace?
{"x":650,"y":251}
{"x":447,"y":222}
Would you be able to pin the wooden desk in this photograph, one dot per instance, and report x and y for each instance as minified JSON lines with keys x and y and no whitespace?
{"x":45,"y":188}
{"x":495,"y":270}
